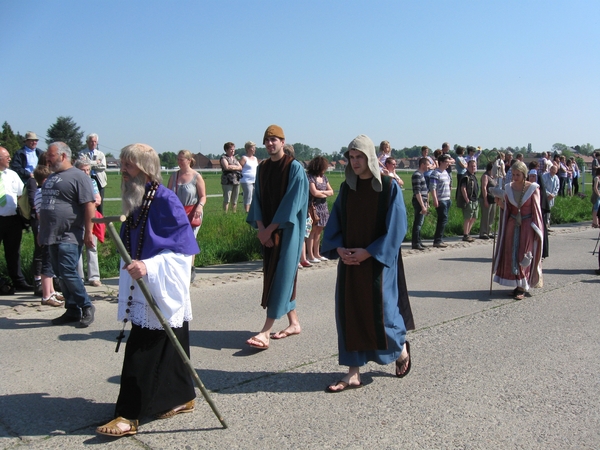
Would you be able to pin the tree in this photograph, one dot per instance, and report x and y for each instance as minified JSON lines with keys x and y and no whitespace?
{"x":66,"y":130}
{"x":586,"y":149}
{"x":559,"y":148}
{"x":305,"y":152}
{"x":9,"y":140}
{"x":168,"y":159}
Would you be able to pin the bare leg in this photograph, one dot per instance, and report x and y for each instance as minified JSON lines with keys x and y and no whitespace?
{"x":293,"y":327}
{"x":225,"y":206}
{"x":262,"y":338}
{"x":309,"y":246}
{"x":303,"y":253}
{"x":47,"y":286}
{"x":316,"y":244}
{"x":404,"y":360}
{"x":352,"y":379}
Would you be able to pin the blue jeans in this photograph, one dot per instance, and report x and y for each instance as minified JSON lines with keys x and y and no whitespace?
{"x":417,"y":223}
{"x":442,"y":219}
{"x":64,"y":259}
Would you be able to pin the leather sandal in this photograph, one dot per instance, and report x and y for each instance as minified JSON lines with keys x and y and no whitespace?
{"x":188,"y":407}
{"x":111,"y":428}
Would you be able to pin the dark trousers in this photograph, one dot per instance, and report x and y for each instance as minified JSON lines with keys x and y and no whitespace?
{"x":36,"y":264}
{"x":442,"y":220}
{"x":417,"y":223}
{"x":11,"y":233}
{"x":575,"y":185}
{"x":154,"y":378}
{"x":561,"y":186}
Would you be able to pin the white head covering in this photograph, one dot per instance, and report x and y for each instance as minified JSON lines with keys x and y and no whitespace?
{"x":363,"y":144}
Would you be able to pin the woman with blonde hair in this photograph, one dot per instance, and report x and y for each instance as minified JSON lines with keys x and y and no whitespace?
{"x":385,"y":151}
{"x":249,"y":164}
{"x":517,"y":262}
{"x":189,"y":187}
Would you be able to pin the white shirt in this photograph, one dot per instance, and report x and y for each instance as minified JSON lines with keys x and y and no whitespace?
{"x":168,"y":280}
{"x":13,"y":188}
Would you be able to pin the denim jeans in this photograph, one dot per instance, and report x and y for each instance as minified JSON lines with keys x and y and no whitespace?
{"x":417,"y":223}
{"x":64,"y":258}
{"x":442,"y":219}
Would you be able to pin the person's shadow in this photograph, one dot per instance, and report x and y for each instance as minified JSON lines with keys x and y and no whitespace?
{"x":38,"y":414}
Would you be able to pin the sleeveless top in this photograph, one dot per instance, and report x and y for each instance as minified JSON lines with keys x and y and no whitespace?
{"x":186,"y":193}
{"x":249,"y":170}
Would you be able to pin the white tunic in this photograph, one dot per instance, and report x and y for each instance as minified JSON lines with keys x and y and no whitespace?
{"x":168,"y":279}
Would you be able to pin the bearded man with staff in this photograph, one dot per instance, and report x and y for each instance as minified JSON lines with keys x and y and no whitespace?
{"x":158,"y":236}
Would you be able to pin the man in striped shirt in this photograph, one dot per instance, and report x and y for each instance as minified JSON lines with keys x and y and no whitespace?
{"x":439,"y":186}
{"x":419,"y":202}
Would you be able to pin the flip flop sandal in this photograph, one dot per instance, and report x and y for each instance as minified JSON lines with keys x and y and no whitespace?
{"x":263,"y":346}
{"x":282,"y":335}
{"x":345,"y":387}
{"x":111,"y":429}
{"x":399,"y":364}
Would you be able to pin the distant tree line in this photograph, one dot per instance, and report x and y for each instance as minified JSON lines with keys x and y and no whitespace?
{"x":66,"y":130}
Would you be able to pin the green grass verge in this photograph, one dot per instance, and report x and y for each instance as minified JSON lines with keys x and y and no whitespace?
{"x":227,"y":238}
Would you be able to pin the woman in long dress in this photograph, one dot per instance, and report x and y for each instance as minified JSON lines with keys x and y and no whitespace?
{"x":517,"y":262}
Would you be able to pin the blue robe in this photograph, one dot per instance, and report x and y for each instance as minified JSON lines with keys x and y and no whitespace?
{"x":167,"y":228}
{"x":288,"y":208}
{"x":369,"y":317}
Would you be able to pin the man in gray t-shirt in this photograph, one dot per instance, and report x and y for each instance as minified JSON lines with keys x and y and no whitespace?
{"x":65,"y":225}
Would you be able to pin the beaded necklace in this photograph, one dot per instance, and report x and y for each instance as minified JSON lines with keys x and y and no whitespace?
{"x":131,"y":223}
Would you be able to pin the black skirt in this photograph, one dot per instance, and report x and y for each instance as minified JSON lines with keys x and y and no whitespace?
{"x":154,"y":377}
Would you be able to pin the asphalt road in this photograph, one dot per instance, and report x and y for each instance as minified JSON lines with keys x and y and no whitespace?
{"x":488,"y":372}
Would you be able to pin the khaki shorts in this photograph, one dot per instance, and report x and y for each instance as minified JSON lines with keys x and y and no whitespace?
{"x":470,"y":210}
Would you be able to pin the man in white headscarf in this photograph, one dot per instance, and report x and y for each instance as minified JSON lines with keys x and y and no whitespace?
{"x":365,"y":230}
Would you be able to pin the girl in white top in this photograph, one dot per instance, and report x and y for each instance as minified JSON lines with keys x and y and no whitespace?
{"x":385,"y":151}
{"x":249,"y":164}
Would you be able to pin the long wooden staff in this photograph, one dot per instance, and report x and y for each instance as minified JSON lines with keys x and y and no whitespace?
{"x":495,"y":231}
{"x":596,"y":247}
{"x":123,"y":252}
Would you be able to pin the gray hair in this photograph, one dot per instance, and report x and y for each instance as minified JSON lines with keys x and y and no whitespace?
{"x":82,"y":162}
{"x":62,"y":149}
{"x":91,"y":135}
{"x":145,"y":158}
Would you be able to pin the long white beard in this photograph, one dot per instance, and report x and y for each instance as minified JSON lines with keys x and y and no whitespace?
{"x":133,"y":193}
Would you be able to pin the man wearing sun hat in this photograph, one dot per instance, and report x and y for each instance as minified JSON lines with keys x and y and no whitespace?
{"x":24,"y":161}
{"x":278,"y":210}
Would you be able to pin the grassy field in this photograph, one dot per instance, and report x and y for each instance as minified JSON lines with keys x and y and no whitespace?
{"x":228,"y":238}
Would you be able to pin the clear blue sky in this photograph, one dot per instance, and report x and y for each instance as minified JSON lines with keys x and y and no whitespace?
{"x":195,"y":74}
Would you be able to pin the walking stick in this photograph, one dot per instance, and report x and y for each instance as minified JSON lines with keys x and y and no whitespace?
{"x":141,"y":283}
{"x":596,"y":247}
{"x":495,"y":228}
